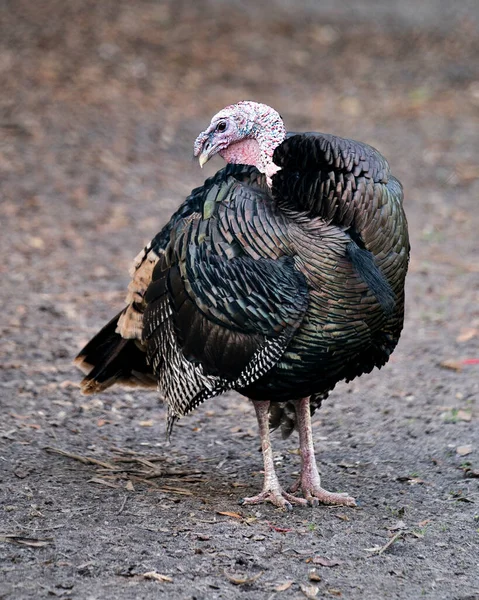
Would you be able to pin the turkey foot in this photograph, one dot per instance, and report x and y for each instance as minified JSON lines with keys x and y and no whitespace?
{"x":272,"y":491}
{"x":277,"y":496}
{"x":314,"y":494}
{"x":310,"y":481}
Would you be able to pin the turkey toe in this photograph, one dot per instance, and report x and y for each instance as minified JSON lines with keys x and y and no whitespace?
{"x":277,"y":496}
{"x":318,"y":495}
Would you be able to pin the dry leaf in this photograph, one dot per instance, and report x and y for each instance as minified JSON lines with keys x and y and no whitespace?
{"x":148,"y":423}
{"x":25,"y":541}
{"x":451,"y":364}
{"x":243,"y":580}
{"x":342,"y":517}
{"x":103,"y":482}
{"x":464,"y":450}
{"x":310,"y":591}
{"x":67,"y":383}
{"x":324,"y":562}
{"x":279,"y":529}
{"x":467,"y":334}
{"x":471,"y":473}
{"x":398,"y":526}
{"x":157,"y":577}
{"x":129,"y":486}
{"x":467,"y":172}
{"x":314,"y":576}
{"x":464,"y":415}
{"x":22,"y":471}
{"x":17,"y":416}
{"x":102,"y":422}
{"x":282,"y":587}
{"x":227,"y":513}
{"x":334,"y":592}
{"x":36,"y":242}
{"x":460,"y":498}
{"x":410,"y":480}
{"x":176,"y":490}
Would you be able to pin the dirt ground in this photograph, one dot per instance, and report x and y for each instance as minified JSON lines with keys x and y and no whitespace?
{"x":99,"y":105}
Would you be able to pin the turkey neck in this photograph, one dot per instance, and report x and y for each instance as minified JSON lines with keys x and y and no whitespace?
{"x":269,"y":136}
{"x":258,"y":149}
{"x":245,"y":152}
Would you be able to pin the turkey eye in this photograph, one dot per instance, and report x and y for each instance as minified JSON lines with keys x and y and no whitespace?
{"x":221,"y":126}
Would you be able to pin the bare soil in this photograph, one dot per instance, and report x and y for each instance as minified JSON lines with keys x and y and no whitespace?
{"x":99,"y":105}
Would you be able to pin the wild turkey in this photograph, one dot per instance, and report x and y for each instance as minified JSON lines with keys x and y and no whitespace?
{"x":282,"y":275}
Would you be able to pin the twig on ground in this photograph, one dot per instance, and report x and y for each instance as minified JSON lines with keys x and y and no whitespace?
{"x":123,"y":504}
{"x":86,"y":460}
{"x":380,"y":550}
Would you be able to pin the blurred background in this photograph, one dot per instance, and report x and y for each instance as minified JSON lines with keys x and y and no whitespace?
{"x":100,"y":103}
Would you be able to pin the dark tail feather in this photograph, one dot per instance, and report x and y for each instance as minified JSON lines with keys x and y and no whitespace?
{"x":366,"y":268}
{"x":108,"y":358}
{"x":283,"y":414}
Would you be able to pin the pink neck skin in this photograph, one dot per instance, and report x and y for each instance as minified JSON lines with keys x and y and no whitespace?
{"x":249,"y":152}
{"x":245,"y":152}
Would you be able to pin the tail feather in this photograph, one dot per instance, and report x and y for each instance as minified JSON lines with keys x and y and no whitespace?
{"x":282,"y":415}
{"x":108,"y":358}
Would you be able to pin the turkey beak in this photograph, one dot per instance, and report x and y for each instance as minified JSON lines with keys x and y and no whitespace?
{"x":203,"y":158}
{"x":207,"y":151}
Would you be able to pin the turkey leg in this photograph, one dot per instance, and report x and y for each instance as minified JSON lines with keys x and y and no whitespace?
{"x":310,"y":481}
{"x":272,"y":491}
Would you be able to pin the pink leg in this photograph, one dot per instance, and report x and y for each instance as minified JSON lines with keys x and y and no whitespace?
{"x":310,"y":481}
{"x":272,"y":491}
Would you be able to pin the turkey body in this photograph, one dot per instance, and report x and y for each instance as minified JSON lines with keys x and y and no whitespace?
{"x":278,"y":292}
